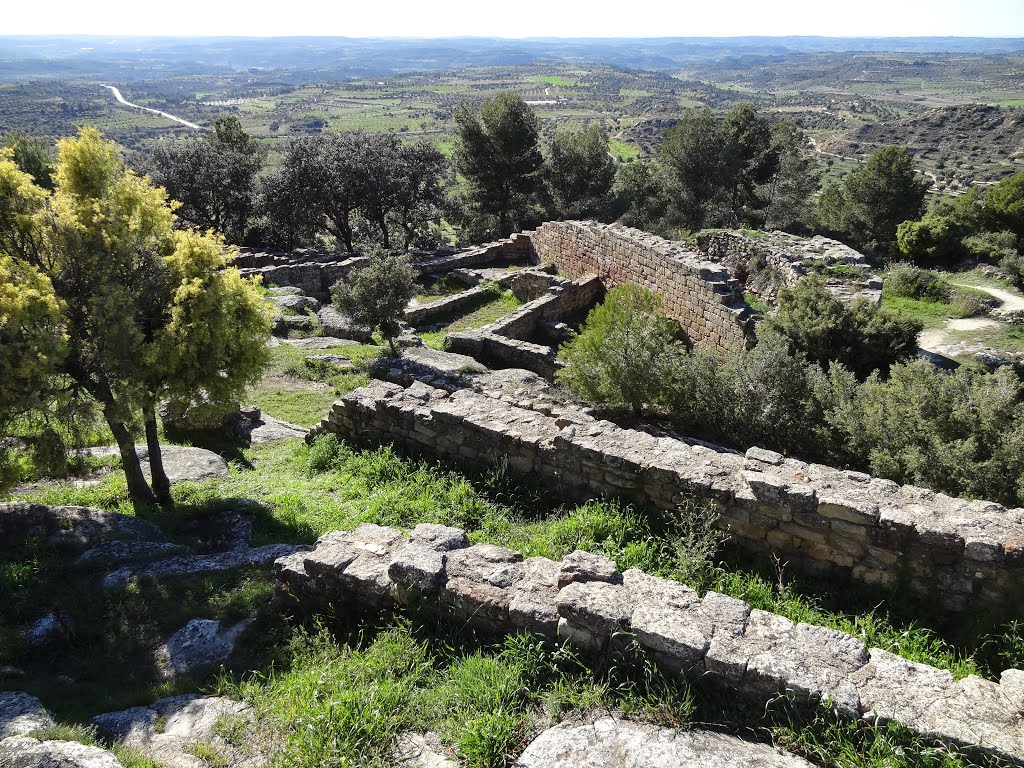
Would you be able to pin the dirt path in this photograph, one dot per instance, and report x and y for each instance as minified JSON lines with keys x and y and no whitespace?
{"x":938,"y":337}
{"x":1011,"y":302}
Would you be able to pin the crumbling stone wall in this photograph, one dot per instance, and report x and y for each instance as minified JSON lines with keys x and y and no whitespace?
{"x":586,"y":601}
{"x":965,"y":553}
{"x":766,"y":261}
{"x":313,"y":277}
{"x":701,"y":295}
{"x":505,"y":342}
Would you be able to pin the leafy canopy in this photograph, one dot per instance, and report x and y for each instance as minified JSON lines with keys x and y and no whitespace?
{"x":376,"y":295}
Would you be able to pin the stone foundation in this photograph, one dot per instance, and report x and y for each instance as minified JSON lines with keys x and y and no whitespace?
{"x":963,"y":553}
{"x":585,"y":600}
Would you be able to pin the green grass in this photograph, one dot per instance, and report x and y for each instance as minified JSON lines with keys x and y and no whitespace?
{"x":493,"y":309}
{"x":931,"y":313}
{"x":339,"y":701}
{"x":328,"y":697}
{"x":349,"y":487}
{"x":623,"y":150}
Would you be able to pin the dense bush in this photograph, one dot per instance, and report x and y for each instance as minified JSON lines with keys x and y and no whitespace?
{"x":986,"y":225}
{"x":625,"y":352}
{"x":862,"y":337}
{"x":907,"y":281}
{"x":961,"y":433}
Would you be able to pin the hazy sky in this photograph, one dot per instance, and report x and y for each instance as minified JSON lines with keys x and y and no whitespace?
{"x":519,"y":18}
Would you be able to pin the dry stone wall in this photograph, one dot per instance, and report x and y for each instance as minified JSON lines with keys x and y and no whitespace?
{"x":313,"y":277}
{"x":964,"y":553}
{"x":504,"y":343}
{"x":585,"y":600}
{"x":766,"y":261}
{"x":701,"y":295}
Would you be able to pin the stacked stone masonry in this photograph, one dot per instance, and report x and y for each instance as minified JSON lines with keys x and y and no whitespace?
{"x":504,"y":342}
{"x":703,"y":296}
{"x":766,"y":261}
{"x":583,"y":599}
{"x":964,"y":553}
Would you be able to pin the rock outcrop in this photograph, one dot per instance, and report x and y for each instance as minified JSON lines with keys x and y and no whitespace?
{"x":610,"y":743}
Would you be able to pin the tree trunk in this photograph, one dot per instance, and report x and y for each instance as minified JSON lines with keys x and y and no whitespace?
{"x":138,"y":488}
{"x":161,"y":485}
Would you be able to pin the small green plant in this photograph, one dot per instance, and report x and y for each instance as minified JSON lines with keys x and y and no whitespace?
{"x":233,"y":729}
{"x":208,"y":753}
{"x":323,"y":453}
{"x":488,"y":741}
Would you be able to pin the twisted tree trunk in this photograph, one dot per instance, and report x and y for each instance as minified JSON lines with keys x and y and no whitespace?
{"x":161,"y":485}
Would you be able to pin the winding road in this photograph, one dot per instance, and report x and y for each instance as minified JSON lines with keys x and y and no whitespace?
{"x":121,"y":100}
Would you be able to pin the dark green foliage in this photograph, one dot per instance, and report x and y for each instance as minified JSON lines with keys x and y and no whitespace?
{"x":988,"y":226}
{"x":740,"y":171}
{"x":377,"y":294}
{"x":625,"y":352}
{"x":33,"y":155}
{"x":214,"y":178}
{"x":580,"y":174}
{"x":912,"y":282}
{"x":641,"y":196}
{"x":867,"y":207}
{"x":862,"y":337}
{"x":354,"y":186}
{"x":497,"y":150}
{"x":962,"y":433}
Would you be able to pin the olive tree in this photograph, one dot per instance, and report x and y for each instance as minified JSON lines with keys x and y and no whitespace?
{"x":377,"y":294}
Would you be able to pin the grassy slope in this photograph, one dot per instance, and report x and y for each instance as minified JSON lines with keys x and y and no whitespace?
{"x":484,"y":700}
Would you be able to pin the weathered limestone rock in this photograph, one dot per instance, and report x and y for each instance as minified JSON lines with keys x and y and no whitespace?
{"x":335,"y":324}
{"x":759,"y":654}
{"x":112,"y":553}
{"x":319,"y":342}
{"x":21,"y":713}
{"x":22,"y":752}
{"x":814,"y":516}
{"x":74,"y":528}
{"x":269,"y":429}
{"x":199,"y":646}
{"x":188,"y":565}
{"x":295,"y":302}
{"x":165,"y":730}
{"x":415,"y":750}
{"x":181,"y":462}
{"x":582,"y":566}
{"x":610,"y":743}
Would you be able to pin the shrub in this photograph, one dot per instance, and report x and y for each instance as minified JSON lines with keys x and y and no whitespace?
{"x":906,"y":280}
{"x":625,"y":354}
{"x":378,"y":294}
{"x":862,"y":337}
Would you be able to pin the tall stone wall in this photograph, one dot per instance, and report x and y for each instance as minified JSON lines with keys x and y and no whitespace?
{"x":701,"y":295}
{"x":716,"y":638}
{"x":965,"y":553}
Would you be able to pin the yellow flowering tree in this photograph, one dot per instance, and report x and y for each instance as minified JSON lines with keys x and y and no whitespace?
{"x":139,"y":309}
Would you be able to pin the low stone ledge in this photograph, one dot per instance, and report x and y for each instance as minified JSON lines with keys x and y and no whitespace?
{"x":963,"y":553}
{"x":759,"y":654}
